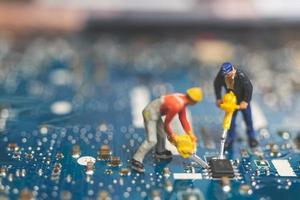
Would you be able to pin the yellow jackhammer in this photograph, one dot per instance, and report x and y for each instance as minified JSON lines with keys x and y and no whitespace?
{"x":229,"y":106}
{"x":186,"y":149}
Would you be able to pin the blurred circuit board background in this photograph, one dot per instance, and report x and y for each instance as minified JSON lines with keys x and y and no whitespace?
{"x":75,"y":76}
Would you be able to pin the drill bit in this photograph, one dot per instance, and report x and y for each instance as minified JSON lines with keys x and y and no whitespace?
{"x":198,"y":160}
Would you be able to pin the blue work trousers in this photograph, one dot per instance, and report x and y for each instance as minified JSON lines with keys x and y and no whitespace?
{"x":247,"y":116}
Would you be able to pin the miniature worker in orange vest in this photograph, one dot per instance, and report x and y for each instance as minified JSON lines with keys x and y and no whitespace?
{"x":157,"y":131}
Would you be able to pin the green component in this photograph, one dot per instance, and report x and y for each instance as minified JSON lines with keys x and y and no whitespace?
{"x":262,"y":163}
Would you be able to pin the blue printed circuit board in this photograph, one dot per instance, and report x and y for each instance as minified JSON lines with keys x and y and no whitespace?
{"x":70,"y":118}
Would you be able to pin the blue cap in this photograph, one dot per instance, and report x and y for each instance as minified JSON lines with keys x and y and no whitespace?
{"x":226,"y":67}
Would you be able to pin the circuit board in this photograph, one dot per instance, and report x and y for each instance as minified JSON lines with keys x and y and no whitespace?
{"x":71,"y":119}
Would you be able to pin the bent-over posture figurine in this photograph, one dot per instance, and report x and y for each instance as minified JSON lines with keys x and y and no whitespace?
{"x":156,"y":131}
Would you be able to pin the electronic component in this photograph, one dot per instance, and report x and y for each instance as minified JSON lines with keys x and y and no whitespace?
{"x":89,"y":168}
{"x":29,"y":155}
{"x":103,"y":195}
{"x":155,"y":195}
{"x":65,"y":195}
{"x":76,"y":151}
{"x":245,"y":189}
{"x":166,"y":172}
{"x":104,"y":152}
{"x":56,"y":171}
{"x":283,"y":168}
{"x":2,"y":172}
{"x":225,"y":184}
{"x":12,"y":147}
{"x":124,"y":172}
{"x":26,"y":194}
{"x":168,"y":185}
{"x":220,"y":168}
{"x":267,"y":171}
{"x":187,"y":176}
{"x":262,"y":163}
{"x":114,"y":161}
{"x":85,"y":159}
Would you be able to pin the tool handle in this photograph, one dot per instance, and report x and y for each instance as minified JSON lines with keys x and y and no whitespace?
{"x":223,"y":139}
{"x":198,"y":160}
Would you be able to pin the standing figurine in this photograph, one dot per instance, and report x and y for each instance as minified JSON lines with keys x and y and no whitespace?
{"x":157,"y":130}
{"x":235,"y":80}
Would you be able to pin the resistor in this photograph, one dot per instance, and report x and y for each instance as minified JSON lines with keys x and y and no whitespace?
{"x":89,"y":168}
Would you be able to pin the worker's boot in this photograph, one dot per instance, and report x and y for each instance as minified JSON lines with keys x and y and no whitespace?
{"x":165,"y":155}
{"x":252,"y":142}
{"x":137,"y":166}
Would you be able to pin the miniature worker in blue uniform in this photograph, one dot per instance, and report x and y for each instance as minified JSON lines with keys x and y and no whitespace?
{"x":233,"y":79}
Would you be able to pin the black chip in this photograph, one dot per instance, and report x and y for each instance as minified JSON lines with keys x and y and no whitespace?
{"x":220,"y":168}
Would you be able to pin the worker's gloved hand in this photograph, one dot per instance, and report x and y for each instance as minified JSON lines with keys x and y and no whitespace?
{"x":173,"y":139}
{"x":219,"y":102}
{"x":192,"y":136}
{"x":243,"y":105}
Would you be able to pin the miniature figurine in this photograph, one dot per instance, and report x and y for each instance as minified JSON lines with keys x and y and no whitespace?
{"x":157,"y":130}
{"x":233,"y":79}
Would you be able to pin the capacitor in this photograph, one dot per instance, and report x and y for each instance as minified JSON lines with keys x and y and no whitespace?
{"x":23,"y":172}
{"x":168,"y":186}
{"x":65,"y":195}
{"x":267,"y":171}
{"x":257,"y":172}
{"x":103,"y":195}
{"x":225,"y":184}
{"x":166,"y":172}
{"x":155,"y":195}
{"x":115,"y":161}
{"x":10,"y":177}
{"x":245,"y":190}
{"x":26,"y":194}
{"x":29,"y":155}
{"x":12,"y":147}
{"x":56,"y":171}
{"x":124,"y":172}
{"x":2,"y":172}
{"x":18,"y":173}
{"x":76,"y":151}
{"x":104,"y":152}
{"x":274,"y":150}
